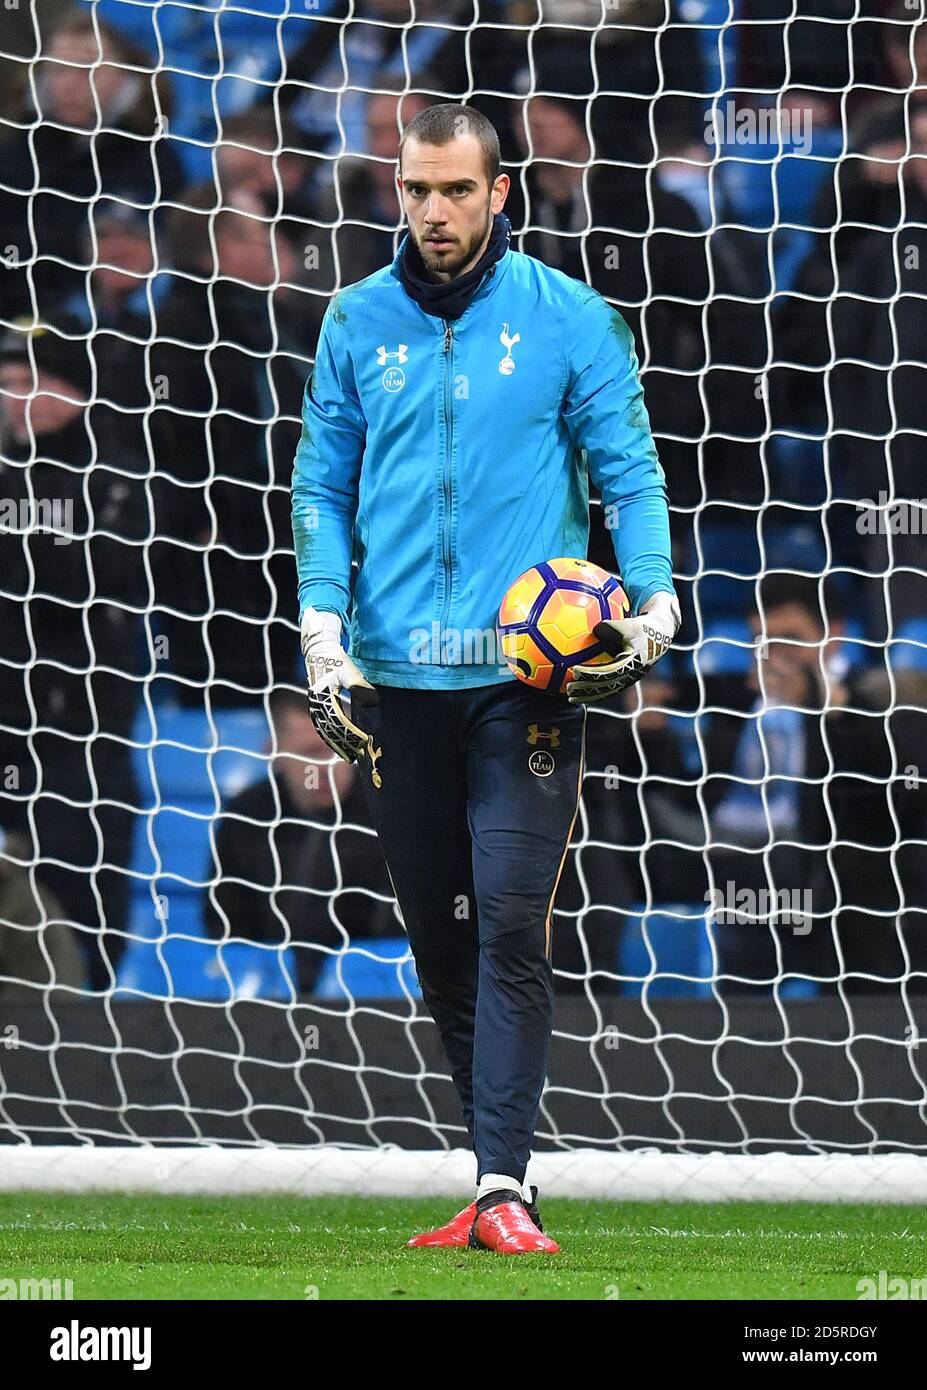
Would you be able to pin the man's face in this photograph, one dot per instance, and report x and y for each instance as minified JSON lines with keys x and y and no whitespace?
{"x":125,"y":259}
{"x":792,"y":653}
{"x":450,"y":206}
{"x":917,"y":165}
{"x":248,"y":169}
{"x":259,"y":172}
{"x":243,"y":241}
{"x":383,"y":133}
{"x":899,"y":55}
{"x":547,"y":131}
{"x":40,"y":413}
{"x":72,"y":80}
{"x":303,"y":760}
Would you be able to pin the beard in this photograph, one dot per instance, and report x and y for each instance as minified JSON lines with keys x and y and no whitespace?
{"x":452,"y":261}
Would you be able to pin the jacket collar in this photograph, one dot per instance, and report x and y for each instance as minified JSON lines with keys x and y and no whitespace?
{"x":450,"y":300}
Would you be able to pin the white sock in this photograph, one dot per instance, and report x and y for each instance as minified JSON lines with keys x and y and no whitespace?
{"x":498,"y":1182}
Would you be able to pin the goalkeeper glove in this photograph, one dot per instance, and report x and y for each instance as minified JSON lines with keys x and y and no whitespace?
{"x":637,"y":643}
{"x":329,"y":670}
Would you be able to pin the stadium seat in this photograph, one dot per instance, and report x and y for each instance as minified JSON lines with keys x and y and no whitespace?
{"x":256,"y":971}
{"x":187,"y":768}
{"x":666,"y":953}
{"x":143,"y":23}
{"x":799,"y":988}
{"x":726,"y":568}
{"x":179,"y":759}
{"x":175,"y":843}
{"x":908,"y":650}
{"x":854,"y":652}
{"x":178,"y":967}
{"x":163,"y":907}
{"x":796,"y":469}
{"x":718,"y":38}
{"x":730,"y":560}
{"x":763,"y":189}
{"x":218,"y":57}
{"x":727,"y":650}
{"x":369,"y":970}
{"x":174,"y":967}
{"x":798,"y":548}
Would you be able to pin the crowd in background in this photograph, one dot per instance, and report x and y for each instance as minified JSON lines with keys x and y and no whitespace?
{"x":182,"y":192}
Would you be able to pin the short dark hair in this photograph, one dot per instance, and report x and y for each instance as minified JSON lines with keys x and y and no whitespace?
{"x":438,"y":125}
{"x":899,"y":21}
{"x":155,"y":98}
{"x":286,"y":700}
{"x":258,"y":127}
{"x":782,"y":588}
{"x":188,"y":225}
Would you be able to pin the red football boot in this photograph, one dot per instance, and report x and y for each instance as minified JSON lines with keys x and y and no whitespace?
{"x":503,"y":1223}
{"x":457,"y":1230}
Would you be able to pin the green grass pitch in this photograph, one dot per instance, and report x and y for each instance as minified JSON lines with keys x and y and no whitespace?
{"x":153,"y":1247}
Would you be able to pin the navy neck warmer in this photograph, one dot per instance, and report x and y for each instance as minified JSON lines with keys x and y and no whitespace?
{"x":449,"y":300}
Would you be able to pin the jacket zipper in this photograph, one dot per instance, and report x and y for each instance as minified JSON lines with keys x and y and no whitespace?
{"x":447,"y":487}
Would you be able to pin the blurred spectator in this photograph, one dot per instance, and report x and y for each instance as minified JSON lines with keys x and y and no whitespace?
{"x":817,"y":50}
{"x":117,"y":309}
{"x":640,"y":246}
{"x":94,"y":131}
{"x":331,"y":77}
{"x":220,"y":59}
{"x":661,"y":794}
{"x":256,"y":157}
{"x":25,"y":34}
{"x":370,"y":221}
{"x":770,"y":829}
{"x":901,"y":66}
{"x":478,"y":62}
{"x":120,"y":254}
{"x":684,"y":169}
{"x":254,"y":162}
{"x":232,"y":365}
{"x":75,"y":520}
{"x":878,"y":742}
{"x":864,"y":198}
{"x":641,"y":56}
{"x":639,"y":837}
{"x":333,"y":225}
{"x":37,"y":948}
{"x":878,"y":396}
{"x":388,"y":114}
{"x":691,"y":288}
{"x":818,"y":808}
{"x":297,"y":860}
{"x":587,"y":219}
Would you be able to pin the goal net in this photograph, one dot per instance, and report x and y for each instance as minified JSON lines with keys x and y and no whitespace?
{"x":204,"y":982}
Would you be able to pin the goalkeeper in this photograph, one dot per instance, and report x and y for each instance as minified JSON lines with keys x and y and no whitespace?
{"x":462,"y":398}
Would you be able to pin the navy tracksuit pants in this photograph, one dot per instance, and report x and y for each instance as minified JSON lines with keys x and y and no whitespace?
{"x":478,"y":791}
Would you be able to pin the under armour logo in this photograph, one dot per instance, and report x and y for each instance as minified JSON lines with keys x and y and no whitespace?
{"x":383,"y":356}
{"x":507,"y":365}
{"x":535,"y":736}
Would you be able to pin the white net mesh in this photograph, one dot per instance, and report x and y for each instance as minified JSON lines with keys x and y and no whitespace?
{"x":198,"y":941}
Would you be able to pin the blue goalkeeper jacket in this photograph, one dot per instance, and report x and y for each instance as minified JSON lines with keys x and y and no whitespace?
{"x":447,"y":457}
